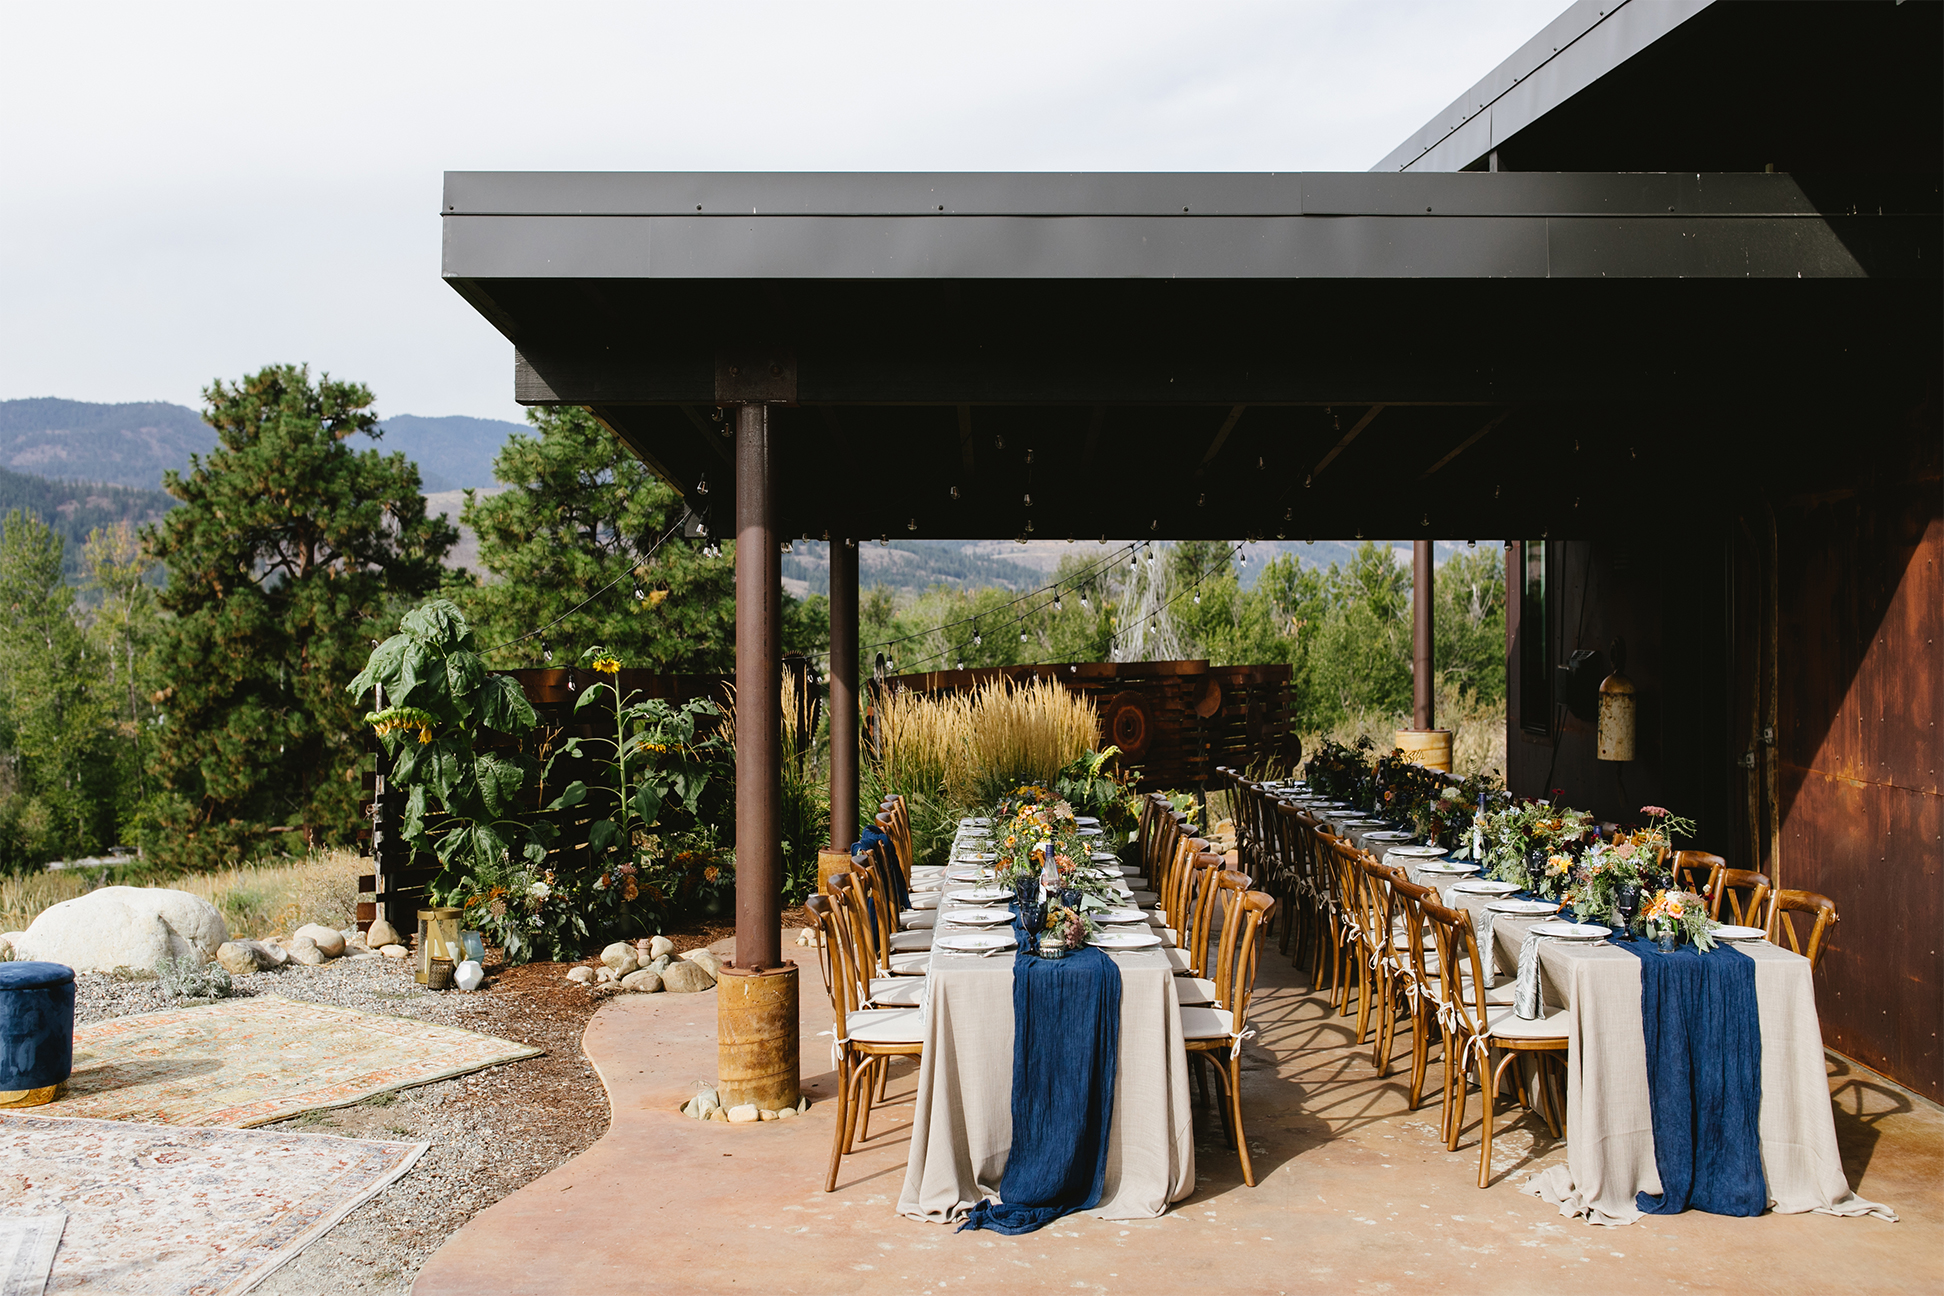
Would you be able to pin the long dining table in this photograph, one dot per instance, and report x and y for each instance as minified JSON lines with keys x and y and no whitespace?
{"x":962,"y":1123}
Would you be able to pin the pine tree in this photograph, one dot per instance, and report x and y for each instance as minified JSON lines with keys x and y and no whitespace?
{"x":577,"y":527}
{"x":286,"y":553}
{"x":53,"y":786}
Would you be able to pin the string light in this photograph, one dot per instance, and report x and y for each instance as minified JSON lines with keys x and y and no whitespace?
{"x":1022,"y":635}
{"x":977,"y":638}
{"x":1083,"y":602}
{"x":1056,"y":600}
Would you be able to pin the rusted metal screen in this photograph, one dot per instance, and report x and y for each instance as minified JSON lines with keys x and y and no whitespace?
{"x":1174,"y":721}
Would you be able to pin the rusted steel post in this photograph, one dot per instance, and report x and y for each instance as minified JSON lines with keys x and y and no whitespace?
{"x":843,"y":694}
{"x":1423,"y":686}
{"x":759,"y":699}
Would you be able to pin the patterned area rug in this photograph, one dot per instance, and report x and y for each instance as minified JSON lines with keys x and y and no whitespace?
{"x":243,"y":1062}
{"x":159,"y":1211}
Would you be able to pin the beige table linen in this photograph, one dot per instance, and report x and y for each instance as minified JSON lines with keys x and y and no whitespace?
{"x":1609,"y":1120}
{"x":962,"y":1125}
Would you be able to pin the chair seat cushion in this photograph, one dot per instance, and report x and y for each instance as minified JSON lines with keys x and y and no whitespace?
{"x":926,"y":899}
{"x":910,"y":940}
{"x":916,"y":963}
{"x":918,"y":918}
{"x":1145,"y":899}
{"x":897,"y":992}
{"x":886,"y":1026}
{"x":1195,"y":992}
{"x":1207,"y":1023}
{"x":1177,"y":960}
{"x":1503,"y":1023}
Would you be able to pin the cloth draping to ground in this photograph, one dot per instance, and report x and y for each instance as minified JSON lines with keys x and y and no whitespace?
{"x":155,"y":1210}
{"x":1066,"y":1043}
{"x":243,"y":1062}
{"x":1704,"y":1079}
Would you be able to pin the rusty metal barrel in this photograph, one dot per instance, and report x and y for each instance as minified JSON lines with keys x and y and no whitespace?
{"x":757,"y":1037}
{"x":1430,"y":748}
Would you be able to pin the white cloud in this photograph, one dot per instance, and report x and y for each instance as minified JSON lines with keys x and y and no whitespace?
{"x":193,"y":191}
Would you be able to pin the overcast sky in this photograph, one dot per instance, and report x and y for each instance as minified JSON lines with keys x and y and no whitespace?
{"x":196,"y":190}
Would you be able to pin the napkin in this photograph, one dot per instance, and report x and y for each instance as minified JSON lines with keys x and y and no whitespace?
{"x":1525,"y":992}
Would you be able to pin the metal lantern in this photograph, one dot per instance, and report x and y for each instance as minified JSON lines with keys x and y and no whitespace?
{"x":438,"y":937}
{"x":1616,"y":740}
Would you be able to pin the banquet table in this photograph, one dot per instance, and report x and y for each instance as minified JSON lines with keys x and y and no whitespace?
{"x":962,"y":1124}
{"x":1610,"y":1137}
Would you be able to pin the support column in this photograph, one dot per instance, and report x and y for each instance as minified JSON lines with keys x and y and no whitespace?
{"x":757,"y":1058}
{"x":1423,"y":684}
{"x":843,"y":694}
{"x":1422,"y":742}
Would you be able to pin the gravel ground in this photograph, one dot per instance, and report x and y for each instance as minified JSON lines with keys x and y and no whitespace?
{"x":490,"y":1132}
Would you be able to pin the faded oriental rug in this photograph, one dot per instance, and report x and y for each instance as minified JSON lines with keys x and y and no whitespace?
{"x":160,"y":1211}
{"x":243,"y":1062}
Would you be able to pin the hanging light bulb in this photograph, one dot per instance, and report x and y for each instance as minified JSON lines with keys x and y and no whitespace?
{"x":977,"y":638}
{"x":912,"y":525}
{"x":1056,"y":600}
{"x":999,"y":441}
{"x":1022,"y":636}
{"x":1198,"y":597}
{"x":640,"y":594}
{"x":786,"y":546}
{"x":546,"y":650}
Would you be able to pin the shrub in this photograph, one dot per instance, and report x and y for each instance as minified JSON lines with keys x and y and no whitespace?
{"x":190,"y":978}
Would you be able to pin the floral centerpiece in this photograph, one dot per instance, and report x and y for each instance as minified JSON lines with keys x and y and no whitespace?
{"x":1341,"y":773}
{"x":1534,"y":845}
{"x":1040,"y":856}
{"x":1637,"y":860}
{"x":1673,"y":914}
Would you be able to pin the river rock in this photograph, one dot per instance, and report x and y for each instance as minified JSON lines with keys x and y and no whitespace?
{"x":303,"y":949}
{"x":707,"y":961}
{"x":660,"y":947}
{"x":642,"y":981}
{"x":581,"y":975}
{"x":241,"y":958}
{"x":394,"y":950}
{"x":469,"y":975}
{"x":786,"y":1113}
{"x":131,"y":927}
{"x":381,"y":934}
{"x":329,"y":940}
{"x":686,"y":978}
{"x":657,"y":965}
{"x":766,"y":1114}
{"x":746,"y":1114}
{"x":620,"y":959}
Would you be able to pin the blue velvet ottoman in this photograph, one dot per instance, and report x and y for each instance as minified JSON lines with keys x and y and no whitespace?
{"x":36,"y":1032}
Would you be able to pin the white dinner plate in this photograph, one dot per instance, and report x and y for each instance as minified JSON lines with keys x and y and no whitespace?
{"x":1121,"y":916}
{"x":1391,"y":835}
{"x":1523,"y":908}
{"x":1730,"y":932}
{"x":1104,"y":857}
{"x":975,"y":823}
{"x":1419,"y":852}
{"x":979,"y":895}
{"x":978,"y":917}
{"x":968,"y":874}
{"x":1485,"y":886}
{"x":975,"y":832}
{"x":1454,"y":867}
{"x":974,"y":857}
{"x":1086,"y":821}
{"x":975,"y":942}
{"x":1125,"y":940}
{"x":1086,"y":832}
{"x":1572,"y":931}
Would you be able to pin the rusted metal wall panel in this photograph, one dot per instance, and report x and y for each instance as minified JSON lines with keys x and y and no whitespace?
{"x":1861,"y":673}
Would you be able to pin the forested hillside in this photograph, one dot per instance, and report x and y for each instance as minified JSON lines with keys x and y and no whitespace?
{"x":72,"y":509}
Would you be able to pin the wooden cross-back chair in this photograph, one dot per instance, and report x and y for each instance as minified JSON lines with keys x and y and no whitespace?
{"x":1479,"y":1033}
{"x":818,"y":907}
{"x":1788,"y":901}
{"x":1214,"y":1036}
{"x":1356,"y":942}
{"x":1226,"y":890}
{"x":1197,"y":891}
{"x":1695,"y":871}
{"x":865,"y":1038}
{"x":1733,"y":884}
{"x":1296,"y":889}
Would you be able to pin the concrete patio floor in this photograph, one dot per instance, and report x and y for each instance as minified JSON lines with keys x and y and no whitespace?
{"x":1354,"y":1193}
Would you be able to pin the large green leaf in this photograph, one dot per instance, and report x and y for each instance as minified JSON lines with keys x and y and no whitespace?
{"x":464,"y":674}
{"x":647,"y":804}
{"x":421,"y":678}
{"x":601,"y":834}
{"x":573,"y":795}
{"x":590,"y":695}
{"x":414,"y":828}
{"x":440,"y":623}
{"x":382,"y":666}
{"x":503,"y":705}
{"x":500,"y":781}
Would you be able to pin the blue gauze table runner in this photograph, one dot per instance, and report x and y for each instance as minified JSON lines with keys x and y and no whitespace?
{"x":1066,"y":1048}
{"x":1704,"y":1079}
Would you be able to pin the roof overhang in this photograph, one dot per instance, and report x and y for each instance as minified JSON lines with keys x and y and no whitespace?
{"x":1205,"y":324}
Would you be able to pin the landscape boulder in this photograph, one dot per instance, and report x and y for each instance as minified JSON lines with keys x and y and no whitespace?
{"x":683,"y":977}
{"x":620,"y":959}
{"x":642,"y":981}
{"x":241,"y":958}
{"x":124,"y":927}
{"x":329,"y":940}
{"x":395,"y":951}
{"x":660,"y":947}
{"x":707,"y":961}
{"x":581,"y":975}
{"x":381,"y":934}
{"x":302,"y":949}
{"x":745,"y":1114}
